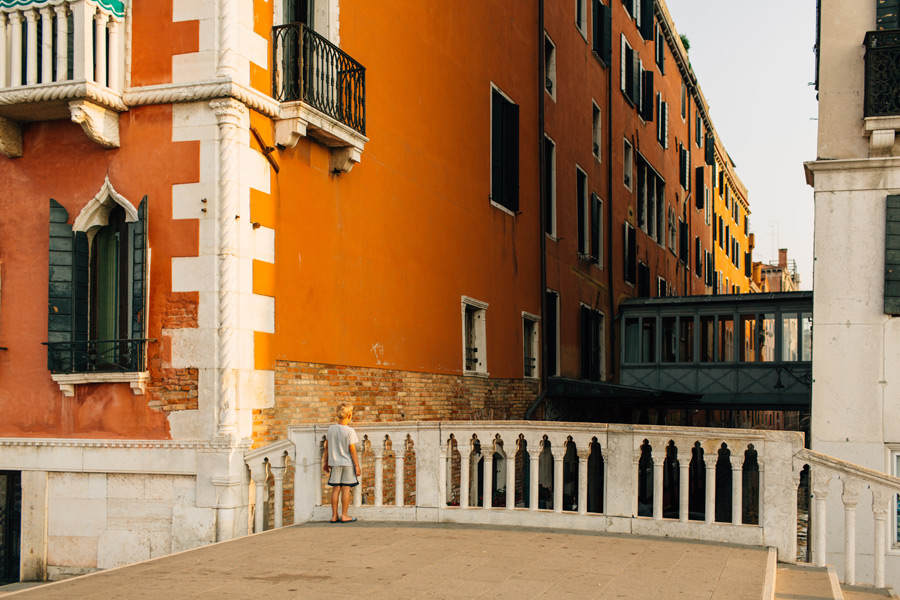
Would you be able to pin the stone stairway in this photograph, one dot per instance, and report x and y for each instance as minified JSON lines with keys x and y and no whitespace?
{"x":804,"y":582}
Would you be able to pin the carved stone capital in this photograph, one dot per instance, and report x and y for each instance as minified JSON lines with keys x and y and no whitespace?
{"x":99,"y":123}
{"x":277,"y":472}
{"x":850,"y":495}
{"x":881,"y":502}
{"x":534,"y":453}
{"x":821,"y":479}
{"x":710,"y":459}
{"x":737,"y":461}
{"x":258,"y":473}
{"x":659,"y":459}
{"x":584,"y":453}
{"x":228,"y":111}
{"x":10,"y":138}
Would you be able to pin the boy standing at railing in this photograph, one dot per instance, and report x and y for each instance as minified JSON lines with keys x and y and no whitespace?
{"x":342,"y":462}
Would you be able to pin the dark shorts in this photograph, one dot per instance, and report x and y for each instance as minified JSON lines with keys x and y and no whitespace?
{"x":343,"y":475}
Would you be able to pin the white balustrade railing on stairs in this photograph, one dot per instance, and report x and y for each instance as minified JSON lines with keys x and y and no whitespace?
{"x":59,"y":41}
{"x":725,"y":485}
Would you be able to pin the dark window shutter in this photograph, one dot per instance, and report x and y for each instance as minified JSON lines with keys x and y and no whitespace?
{"x":887,"y":15}
{"x":497,"y":176}
{"x":606,"y":39}
{"x":550,"y":299}
{"x":630,"y":253}
{"x":647,"y":19}
{"x":698,"y":257}
{"x":595,"y":229}
{"x":710,"y":150}
{"x":700,"y":188}
{"x":581,"y":206}
{"x":748,"y":264}
{"x":59,"y":296}
{"x":81,"y":281}
{"x":643,"y":280}
{"x":892,"y":257}
{"x":138,"y":233}
{"x":636,"y":77}
{"x":683,"y":243}
{"x":647,"y":104}
{"x":630,"y":56}
{"x":511,"y":156}
{"x":585,"y":342}
{"x":548,"y":186}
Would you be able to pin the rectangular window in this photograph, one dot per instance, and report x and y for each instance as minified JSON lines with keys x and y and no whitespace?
{"x":708,"y":280}
{"x":662,"y":287}
{"x":592,"y":344}
{"x":630,"y":73}
{"x":474,"y":336}
{"x":662,"y":121}
{"x":683,"y":101}
{"x":707,"y":207}
{"x":597,"y":130}
{"x":643,"y":287}
{"x":684,"y":243}
{"x":641,"y":199}
{"x":551,"y":321}
{"x":683,"y":166}
{"x":582,"y":208}
{"x":530,"y":345}
{"x":549,"y":187}
{"x":602,"y":24}
{"x":698,"y":130}
{"x":699,"y":187}
{"x":698,"y":257}
{"x":630,"y":253}
{"x":504,"y":151}
{"x":628,"y":164}
{"x":549,"y":66}
{"x":647,"y":95}
{"x":581,"y":16}
{"x":596,"y":230}
{"x":659,"y":226}
{"x":660,"y":51}
{"x":629,"y":6}
{"x":673,"y":231}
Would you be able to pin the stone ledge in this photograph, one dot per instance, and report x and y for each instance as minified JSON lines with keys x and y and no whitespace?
{"x":299,"y":119}
{"x":67,"y":381}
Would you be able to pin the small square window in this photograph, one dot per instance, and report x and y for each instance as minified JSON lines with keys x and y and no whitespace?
{"x":474,"y":315}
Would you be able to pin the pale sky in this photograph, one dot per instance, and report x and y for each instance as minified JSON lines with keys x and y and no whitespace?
{"x":754,"y":62}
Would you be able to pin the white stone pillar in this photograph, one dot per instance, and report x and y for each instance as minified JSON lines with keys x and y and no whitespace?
{"x":710,"y":459}
{"x":228,"y":113}
{"x":487,"y":497}
{"x":229,"y":37}
{"x":636,"y":470}
{"x":4,"y":56}
{"x":258,"y":474}
{"x":62,"y":44}
{"x":819,"y":481}
{"x":46,"y":44}
{"x":534,"y":468}
{"x":378,"y":453}
{"x":465,"y":466}
{"x":398,"y":473}
{"x":583,"y":455}
{"x":684,"y":488}
{"x":31,"y":47}
{"x":15,"y":50}
{"x":510,"y":462}
{"x":115,"y":55}
{"x":850,"y":498}
{"x":83,"y":41}
{"x":100,"y":19}
{"x":442,"y":476}
{"x":761,"y":508}
{"x":737,"y":487}
{"x":558,"y":453}
{"x":659,"y":460}
{"x":881,"y":501}
{"x":278,"y":500}
{"x":318,"y":471}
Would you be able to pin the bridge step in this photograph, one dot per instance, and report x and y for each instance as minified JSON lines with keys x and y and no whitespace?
{"x":859,"y":592}
{"x":802,"y":582}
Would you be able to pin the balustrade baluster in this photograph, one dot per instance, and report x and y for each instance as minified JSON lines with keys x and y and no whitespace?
{"x":31,"y":47}
{"x":3,"y":53}
{"x":559,"y":453}
{"x":510,"y":463}
{"x":83,"y":38}
{"x":850,"y":498}
{"x":278,"y":501}
{"x":737,"y":488}
{"x":534,"y":456}
{"x":820,"y":480}
{"x":684,"y":487}
{"x":881,"y":501}
{"x":378,"y":453}
{"x":318,"y":471}
{"x":398,"y":475}
{"x":443,"y":484}
{"x":583,"y":455}
{"x":258,"y":474}
{"x":15,"y":53}
{"x":709,"y":459}
{"x":46,"y":44}
{"x":487,"y":496}
{"x":659,"y":459}
{"x":465,"y":464}
{"x":115,"y":53}
{"x":62,"y":43}
{"x":100,"y":47}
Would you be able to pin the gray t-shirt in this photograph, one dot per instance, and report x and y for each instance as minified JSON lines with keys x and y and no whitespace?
{"x":340,"y":437}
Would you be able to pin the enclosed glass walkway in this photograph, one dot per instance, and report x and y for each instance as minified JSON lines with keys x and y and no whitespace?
{"x":747,"y":351}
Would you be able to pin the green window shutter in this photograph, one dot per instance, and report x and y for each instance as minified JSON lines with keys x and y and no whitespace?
{"x":606,"y":25}
{"x":892,"y":256}
{"x":710,"y":150}
{"x":137,"y":231}
{"x":647,"y":101}
{"x":59,"y":294}
{"x":595,"y":228}
{"x":700,"y":188}
{"x":585,"y":342}
{"x":647,"y":19}
{"x":497,"y":179}
{"x":511,"y":155}
{"x":887,"y":14}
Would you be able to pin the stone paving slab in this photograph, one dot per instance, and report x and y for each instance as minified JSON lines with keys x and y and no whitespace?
{"x":392,"y":560}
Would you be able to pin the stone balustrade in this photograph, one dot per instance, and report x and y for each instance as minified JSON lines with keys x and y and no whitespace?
{"x":726,"y":485}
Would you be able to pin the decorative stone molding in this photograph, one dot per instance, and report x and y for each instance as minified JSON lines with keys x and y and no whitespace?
{"x":881,"y":132}
{"x":202,"y":90}
{"x":70,"y":90}
{"x":299,"y":119}
{"x":10,"y":138}
{"x":99,"y":123}
{"x":96,"y":212}
{"x":67,"y":381}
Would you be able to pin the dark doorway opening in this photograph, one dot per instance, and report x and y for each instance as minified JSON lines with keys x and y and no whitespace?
{"x":10,"y":525}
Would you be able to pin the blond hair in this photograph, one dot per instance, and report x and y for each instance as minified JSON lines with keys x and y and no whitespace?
{"x":344,"y":411}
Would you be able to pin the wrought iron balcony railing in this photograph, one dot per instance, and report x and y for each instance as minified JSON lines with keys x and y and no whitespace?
{"x":882,"y":73}
{"x":312,"y":69}
{"x":97,"y":356}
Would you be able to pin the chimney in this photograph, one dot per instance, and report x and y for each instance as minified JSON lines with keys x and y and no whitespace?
{"x":782,"y":258}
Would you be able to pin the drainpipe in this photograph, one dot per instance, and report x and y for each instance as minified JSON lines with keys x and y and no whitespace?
{"x":543,"y":216}
{"x":609,"y":222}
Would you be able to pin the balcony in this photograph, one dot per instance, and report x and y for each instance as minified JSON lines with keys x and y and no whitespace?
{"x":58,"y":61}
{"x":98,"y":361}
{"x":323,"y":93}
{"x":882,"y":90}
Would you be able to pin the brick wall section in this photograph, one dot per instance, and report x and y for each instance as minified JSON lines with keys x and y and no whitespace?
{"x":173,"y":389}
{"x":309,"y":393}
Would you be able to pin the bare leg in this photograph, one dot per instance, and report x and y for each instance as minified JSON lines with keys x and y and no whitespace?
{"x":335,"y":494}
{"x":345,"y":502}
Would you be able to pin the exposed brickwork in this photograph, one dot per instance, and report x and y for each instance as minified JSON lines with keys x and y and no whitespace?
{"x":180,"y":311}
{"x":172,"y":389}
{"x":309,"y":393}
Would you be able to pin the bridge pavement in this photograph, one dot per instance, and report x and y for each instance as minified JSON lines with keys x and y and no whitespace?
{"x":393,"y":560}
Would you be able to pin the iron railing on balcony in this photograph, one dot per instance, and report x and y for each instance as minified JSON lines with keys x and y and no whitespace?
{"x":312,"y":69}
{"x":882,"y":73}
{"x":97,"y":356}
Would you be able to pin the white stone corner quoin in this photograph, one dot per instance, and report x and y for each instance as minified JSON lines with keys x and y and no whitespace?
{"x":99,"y":123}
{"x":10,"y":138}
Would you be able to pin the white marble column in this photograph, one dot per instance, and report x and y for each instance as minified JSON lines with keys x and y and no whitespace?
{"x":487,"y":496}
{"x":737,"y":487}
{"x":710,"y":459}
{"x":443,"y":475}
{"x":465,"y":467}
{"x":229,"y":38}
{"x":378,"y":454}
{"x":659,"y":460}
{"x":583,"y":456}
{"x":62,"y":37}
{"x":259,"y":475}
{"x":100,"y":47}
{"x":15,"y":48}
{"x":881,"y":502}
{"x":558,"y":453}
{"x":278,"y":484}
{"x":116,"y":58}
{"x":684,"y":488}
{"x":534,"y":474}
{"x":399,"y":459}
{"x":3,"y":49}
{"x":31,"y":47}
{"x":510,"y":462}
{"x":850,"y":498}
{"x":83,"y":38}
{"x":820,"y":480}
{"x":46,"y":44}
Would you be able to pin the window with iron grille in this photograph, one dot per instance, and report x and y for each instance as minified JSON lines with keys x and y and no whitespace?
{"x":474,"y":313}
{"x":504,"y":151}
